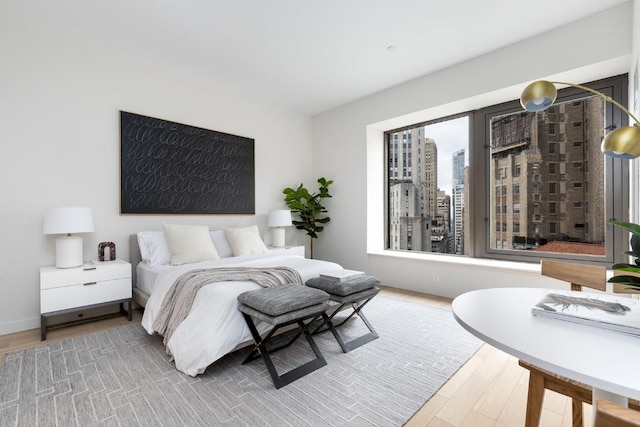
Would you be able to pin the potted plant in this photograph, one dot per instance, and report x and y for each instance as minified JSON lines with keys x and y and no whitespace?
{"x":631,"y":281}
{"x":308,"y":207}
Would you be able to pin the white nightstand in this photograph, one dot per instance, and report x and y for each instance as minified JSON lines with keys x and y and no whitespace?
{"x":66,"y":290}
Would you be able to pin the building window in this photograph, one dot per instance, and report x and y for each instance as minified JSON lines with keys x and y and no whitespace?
{"x":434,"y":204}
{"x":557,"y":176}
{"x":544,"y":163}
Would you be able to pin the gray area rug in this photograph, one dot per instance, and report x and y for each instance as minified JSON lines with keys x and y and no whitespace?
{"x":122,"y":377}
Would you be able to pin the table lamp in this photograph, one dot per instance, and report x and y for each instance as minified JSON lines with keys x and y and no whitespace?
{"x":278,"y":220}
{"x":67,"y":221}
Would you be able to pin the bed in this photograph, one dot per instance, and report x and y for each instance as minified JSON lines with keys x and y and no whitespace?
{"x":214,"y":326}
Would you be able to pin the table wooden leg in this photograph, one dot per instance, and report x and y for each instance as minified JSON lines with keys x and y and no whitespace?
{"x":534,"y":400}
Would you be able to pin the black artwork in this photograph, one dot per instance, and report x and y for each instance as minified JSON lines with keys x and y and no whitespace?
{"x":171,"y":168}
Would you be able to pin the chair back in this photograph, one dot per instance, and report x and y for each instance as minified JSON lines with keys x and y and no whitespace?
{"x":579,"y":275}
{"x":609,"y":414}
{"x":619,"y":288}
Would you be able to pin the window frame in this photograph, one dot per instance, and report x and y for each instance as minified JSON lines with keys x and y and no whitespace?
{"x":616,"y":179}
{"x":481,"y":187}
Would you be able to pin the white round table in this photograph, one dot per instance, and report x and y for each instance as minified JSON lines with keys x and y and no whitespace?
{"x":608,"y":361}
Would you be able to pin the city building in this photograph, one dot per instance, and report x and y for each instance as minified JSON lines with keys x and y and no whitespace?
{"x":548,"y":176}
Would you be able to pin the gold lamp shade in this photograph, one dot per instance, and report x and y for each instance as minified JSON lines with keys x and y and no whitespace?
{"x":623,"y":142}
{"x":538,"y":96}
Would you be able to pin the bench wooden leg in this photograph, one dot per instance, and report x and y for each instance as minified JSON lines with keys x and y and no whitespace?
{"x":295,"y":373}
{"x":356,"y":342}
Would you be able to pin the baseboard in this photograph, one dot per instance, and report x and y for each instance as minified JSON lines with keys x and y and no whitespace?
{"x":34,"y":323}
{"x":20,"y":325}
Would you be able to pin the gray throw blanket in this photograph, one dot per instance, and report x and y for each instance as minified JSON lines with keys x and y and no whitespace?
{"x":179,"y":299}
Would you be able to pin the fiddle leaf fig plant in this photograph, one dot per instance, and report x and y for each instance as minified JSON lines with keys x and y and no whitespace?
{"x":309,"y":208}
{"x":630,"y":281}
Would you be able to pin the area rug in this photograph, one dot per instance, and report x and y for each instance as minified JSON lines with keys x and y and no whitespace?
{"x":122,"y":377}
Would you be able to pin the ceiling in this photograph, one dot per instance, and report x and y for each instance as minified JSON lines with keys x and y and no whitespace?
{"x":308,"y":56}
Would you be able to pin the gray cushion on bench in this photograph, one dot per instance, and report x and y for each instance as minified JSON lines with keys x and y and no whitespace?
{"x":282,"y":299}
{"x":355,"y":297}
{"x":347,"y":287}
{"x":286,"y":317}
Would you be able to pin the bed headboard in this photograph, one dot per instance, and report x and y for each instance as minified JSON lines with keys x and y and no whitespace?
{"x":134,"y":256}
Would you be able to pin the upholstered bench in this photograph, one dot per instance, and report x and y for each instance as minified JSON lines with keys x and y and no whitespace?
{"x":356,"y":293}
{"x":282,"y":306}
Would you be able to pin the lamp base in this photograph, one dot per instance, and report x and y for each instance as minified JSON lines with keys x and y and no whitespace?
{"x":69,"y":252}
{"x":277,"y":237}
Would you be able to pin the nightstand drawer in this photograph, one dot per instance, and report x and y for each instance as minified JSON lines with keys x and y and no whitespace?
{"x":63,"y":298}
{"x":51,"y":277}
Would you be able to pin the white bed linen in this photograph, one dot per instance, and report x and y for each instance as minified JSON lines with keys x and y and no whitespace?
{"x":214,"y":325}
{"x":146,"y":276}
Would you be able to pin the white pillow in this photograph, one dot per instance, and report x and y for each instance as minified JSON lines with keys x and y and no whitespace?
{"x":221,"y":243}
{"x":153,"y":248}
{"x":245,"y":240}
{"x":189,"y":243}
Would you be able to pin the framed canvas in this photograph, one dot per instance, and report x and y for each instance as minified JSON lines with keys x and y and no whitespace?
{"x":173,"y":168}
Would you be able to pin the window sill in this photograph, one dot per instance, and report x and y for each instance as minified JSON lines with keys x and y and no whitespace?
{"x":461,"y":260}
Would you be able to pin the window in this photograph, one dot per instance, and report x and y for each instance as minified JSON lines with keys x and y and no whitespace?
{"x":433,"y":186}
{"x":554,"y":182}
{"x":537,"y":167}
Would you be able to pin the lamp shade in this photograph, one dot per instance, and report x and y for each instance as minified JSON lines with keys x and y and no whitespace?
{"x":279,"y":218}
{"x":538,"y":96}
{"x":623,"y":143}
{"x":67,"y":221}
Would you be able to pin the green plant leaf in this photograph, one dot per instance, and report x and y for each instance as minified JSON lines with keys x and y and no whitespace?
{"x":633,"y":228}
{"x":308,"y":207}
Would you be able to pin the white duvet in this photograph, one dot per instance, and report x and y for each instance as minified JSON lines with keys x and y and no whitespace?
{"x":214,"y":325}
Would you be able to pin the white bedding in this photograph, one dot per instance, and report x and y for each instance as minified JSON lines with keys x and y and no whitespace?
{"x":214,"y":325}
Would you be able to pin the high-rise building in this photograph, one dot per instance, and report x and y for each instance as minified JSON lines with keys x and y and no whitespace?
{"x":458,"y":200}
{"x":413,"y":185}
{"x":547,"y":176}
{"x":441,"y":225}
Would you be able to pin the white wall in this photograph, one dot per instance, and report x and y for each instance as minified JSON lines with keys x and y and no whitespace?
{"x":59,"y":132}
{"x":348,"y":145}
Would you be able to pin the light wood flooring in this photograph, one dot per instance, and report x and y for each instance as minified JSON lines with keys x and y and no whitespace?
{"x":489,"y":390}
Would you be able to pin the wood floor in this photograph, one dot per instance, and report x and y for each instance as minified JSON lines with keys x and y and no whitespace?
{"x":489,"y":390}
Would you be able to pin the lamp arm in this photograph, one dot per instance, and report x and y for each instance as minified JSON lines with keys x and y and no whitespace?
{"x":602,"y":95}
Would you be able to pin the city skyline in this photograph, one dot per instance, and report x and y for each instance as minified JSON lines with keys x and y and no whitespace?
{"x":450,"y":136}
